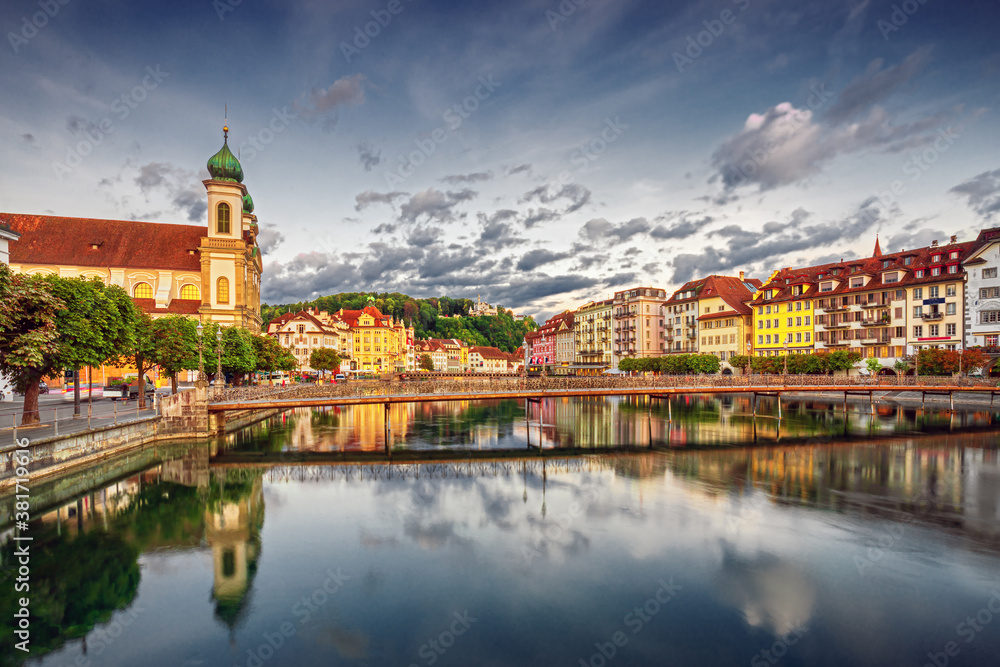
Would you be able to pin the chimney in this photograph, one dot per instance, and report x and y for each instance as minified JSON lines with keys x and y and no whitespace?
{"x":954,"y":239}
{"x":741,"y":276}
{"x":934,"y":243}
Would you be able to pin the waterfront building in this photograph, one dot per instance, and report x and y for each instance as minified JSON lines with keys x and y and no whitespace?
{"x":592,"y":332}
{"x":484,"y":359}
{"x":886,"y":306}
{"x":935,"y":296}
{"x":725,"y":322}
{"x":211,"y":271}
{"x":638,"y":323}
{"x":982,"y":294}
{"x":379,"y":344}
{"x":312,"y":329}
{"x":565,"y":343}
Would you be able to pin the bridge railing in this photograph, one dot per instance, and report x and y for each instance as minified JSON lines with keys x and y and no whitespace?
{"x":473,"y":385}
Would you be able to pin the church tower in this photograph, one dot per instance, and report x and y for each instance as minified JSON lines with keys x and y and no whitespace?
{"x":230,"y":258}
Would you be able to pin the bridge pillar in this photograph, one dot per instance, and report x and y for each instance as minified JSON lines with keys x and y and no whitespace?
{"x":951,"y":399}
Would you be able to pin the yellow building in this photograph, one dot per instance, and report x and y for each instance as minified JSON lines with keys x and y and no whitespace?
{"x":592,"y":330}
{"x":380,"y":343}
{"x":783,"y":313}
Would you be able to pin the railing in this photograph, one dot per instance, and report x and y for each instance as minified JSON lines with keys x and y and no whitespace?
{"x":55,"y":420}
{"x":474,"y":385}
{"x":874,"y":323}
{"x":933,"y":316}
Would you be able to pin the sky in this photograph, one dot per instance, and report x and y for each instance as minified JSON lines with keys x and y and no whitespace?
{"x":538,"y":153}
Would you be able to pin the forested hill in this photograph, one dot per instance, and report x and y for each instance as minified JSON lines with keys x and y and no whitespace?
{"x":430,"y":318}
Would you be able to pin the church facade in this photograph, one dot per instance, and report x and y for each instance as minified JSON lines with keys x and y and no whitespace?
{"x":209,"y":271}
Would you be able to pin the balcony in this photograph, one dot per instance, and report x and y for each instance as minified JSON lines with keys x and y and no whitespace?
{"x":931,"y":317}
{"x":833,"y":309}
{"x":874,"y":323}
{"x":838,"y":325}
{"x":691,"y":334}
{"x":876,"y":304}
{"x":874,"y":341}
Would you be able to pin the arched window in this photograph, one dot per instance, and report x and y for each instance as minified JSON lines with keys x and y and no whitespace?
{"x":222,"y":290}
{"x":191,"y":292}
{"x":142,"y":291}
{"x":222,"y":219}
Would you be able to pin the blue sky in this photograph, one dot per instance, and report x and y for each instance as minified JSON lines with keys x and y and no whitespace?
{"x":539,"y":153}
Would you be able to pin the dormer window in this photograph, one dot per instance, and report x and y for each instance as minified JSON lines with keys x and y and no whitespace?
{"x":857,"y":282}
{"x":907,"y":261}
{"x":886,"y":263}
{"x":936,"y":258}
{"x":890,"y":277}
{"x":920,"y":273}
{"x":826,"y":287}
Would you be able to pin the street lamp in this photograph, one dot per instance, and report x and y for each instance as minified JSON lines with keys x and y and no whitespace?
{"x":749,"y":361}
{"x":201,"y":362}
{"x":218,"y":368}
{"x":786,"y":358}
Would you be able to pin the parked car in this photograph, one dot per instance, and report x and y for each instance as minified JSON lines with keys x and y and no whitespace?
{"x":339,"y":377}
{"x":6,"y":389}
{"x":42,"y":387}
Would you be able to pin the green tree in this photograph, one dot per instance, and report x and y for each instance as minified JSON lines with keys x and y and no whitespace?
{"x":740,"y":361}
{"x":901,"y":367}
{"x":52,"y":323}
{"x":175,"y":343}
{"x":426,"y":363}
{"x":271,"y":355}
{"x":704,"y":363}
{"x":141,"y":352}
{"x":324,"y":359}
{"x":873,"y":365}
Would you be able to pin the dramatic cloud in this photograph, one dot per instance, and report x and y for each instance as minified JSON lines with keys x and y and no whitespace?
{"x":468,"y":178}
{"x":786,"y":144}
{"x":741,"y":248}
{"x":535,"y":258}
{"x":538,"y":216}
{"x":600,"y":229}
{"x":681,"y":229}
{"x":180,"y":186}
{"x":875,"y":85}
{"x":345,"y":91}
{"x":521,"y":168}
{"x":578,"y":195}
{"x":369,"y":197}
{"x":269,"y":238}
{"x":434,"y":205}
{"x":982,"y":193}
{"x":370,"y":158}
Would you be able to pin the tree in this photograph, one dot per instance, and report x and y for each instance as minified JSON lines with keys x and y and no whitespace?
{"x":900,"y":366}
{"x":141,"y":352}
{"x":324,"y":359}
{"x":973,"y":360}
{"x":426,"y":363}
{"x":704,"y":363}
{"x":271,"y":355}
{"x":874,"y":365}
{"x":52,"y":323}
{"x":175,"y":345}
{"x":740,"y":361}
{"x":28,"y":335}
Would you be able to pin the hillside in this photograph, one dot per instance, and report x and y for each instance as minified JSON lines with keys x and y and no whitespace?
{"x":441,"y":317}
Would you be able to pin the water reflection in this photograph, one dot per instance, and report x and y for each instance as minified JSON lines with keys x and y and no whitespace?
{"x":866,"y":553}
{"x":591,"y":423}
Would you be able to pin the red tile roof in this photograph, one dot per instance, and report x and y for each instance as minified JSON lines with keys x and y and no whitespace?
{"x":920,"y":259}
{"x":49,"y":239}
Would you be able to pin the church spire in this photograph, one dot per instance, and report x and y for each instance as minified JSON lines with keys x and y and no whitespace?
{"x":878,"y":250}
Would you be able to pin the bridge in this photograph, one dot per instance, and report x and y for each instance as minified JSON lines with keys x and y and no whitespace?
{"x":534,"y":390}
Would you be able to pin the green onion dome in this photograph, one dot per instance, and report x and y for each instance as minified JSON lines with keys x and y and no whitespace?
{"x":223,"y":166}
{"x":247,"y":203}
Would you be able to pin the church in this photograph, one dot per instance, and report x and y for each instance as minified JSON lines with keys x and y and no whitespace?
{"x":209,"y":271}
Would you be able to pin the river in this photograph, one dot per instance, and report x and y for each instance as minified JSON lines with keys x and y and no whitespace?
{"x":640,"y":534}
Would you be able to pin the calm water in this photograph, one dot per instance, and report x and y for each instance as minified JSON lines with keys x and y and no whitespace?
{"x":810,"y":547}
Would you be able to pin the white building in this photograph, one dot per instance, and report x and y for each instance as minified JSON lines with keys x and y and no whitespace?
{"x":480,"y":309}
{"x":982,"y":293}
{"x":6,"y":235}
{"x":308,"y":330}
